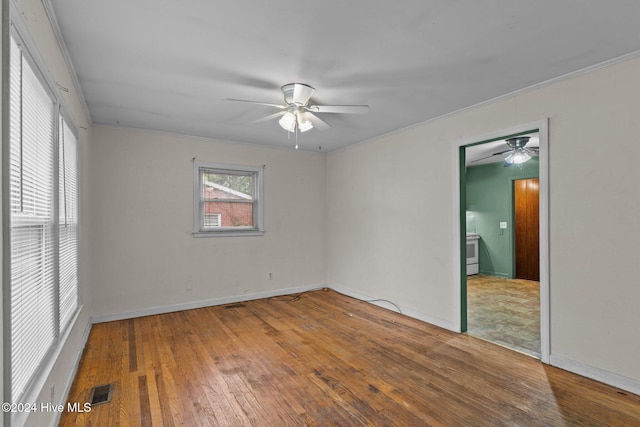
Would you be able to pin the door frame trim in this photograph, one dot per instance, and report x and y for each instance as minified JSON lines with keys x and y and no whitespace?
{"x":542,"y":127}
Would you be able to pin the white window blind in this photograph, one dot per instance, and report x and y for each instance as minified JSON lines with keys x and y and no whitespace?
{"x":32,"y":221}
{"x":43,"y":221}
{"x":68,"y":223}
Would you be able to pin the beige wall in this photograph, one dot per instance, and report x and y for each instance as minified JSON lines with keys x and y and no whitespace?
{"x":594,"y":211}
{"x":142,"y":216}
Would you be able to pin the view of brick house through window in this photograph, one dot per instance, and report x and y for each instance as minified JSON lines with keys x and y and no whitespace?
{"x":228,"y":200}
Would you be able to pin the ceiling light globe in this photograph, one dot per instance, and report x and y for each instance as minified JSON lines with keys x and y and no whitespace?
{"x":288,"y":121}
{"x":305,"y":125}
{"x":517,"y":157}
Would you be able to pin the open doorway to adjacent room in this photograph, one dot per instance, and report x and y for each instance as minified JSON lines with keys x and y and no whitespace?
{"x":502,"y":295}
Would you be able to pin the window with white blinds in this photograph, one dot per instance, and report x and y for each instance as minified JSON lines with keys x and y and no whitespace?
{"x":68,"y":223}
{"x":43,"y":220}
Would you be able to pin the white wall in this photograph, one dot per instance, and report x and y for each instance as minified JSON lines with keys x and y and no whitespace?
{"x":142,"y":215}
{"x":391,"y":215}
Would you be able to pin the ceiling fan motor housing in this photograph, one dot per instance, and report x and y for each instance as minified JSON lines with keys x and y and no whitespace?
{"x":303,"y":93}
{"x":518,"y":142}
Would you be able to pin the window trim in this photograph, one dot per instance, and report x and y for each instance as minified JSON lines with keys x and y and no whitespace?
{"x":14,"y":27}
{"x":258,"y":201}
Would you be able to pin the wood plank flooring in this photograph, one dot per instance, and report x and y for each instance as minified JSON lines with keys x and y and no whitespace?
{"x":324,"y":359}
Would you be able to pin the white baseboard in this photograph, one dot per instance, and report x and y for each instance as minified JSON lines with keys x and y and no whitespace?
{"x":446,"y":324}
{"x":597,"y":374}
{"x":200,"y":304}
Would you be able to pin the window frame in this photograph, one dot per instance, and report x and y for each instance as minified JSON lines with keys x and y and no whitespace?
{"x":257,"y":200}
{"x":12,"y":219}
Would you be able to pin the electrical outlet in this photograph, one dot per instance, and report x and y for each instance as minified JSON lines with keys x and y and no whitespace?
{"x":188,"y":285}
{"x":503,"y":225}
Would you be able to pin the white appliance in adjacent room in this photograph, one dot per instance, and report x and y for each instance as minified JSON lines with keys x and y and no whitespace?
{"x":473,"y":245}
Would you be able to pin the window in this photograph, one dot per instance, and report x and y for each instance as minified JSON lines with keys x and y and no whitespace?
{"x":228,"y":200}
{"x":68,"y":224}
{"x":43,"y":221}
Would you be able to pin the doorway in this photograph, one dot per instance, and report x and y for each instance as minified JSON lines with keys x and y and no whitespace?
{"x":526,"y":276}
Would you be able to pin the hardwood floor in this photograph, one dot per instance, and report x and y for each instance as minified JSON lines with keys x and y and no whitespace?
{"x":324,"y":359}
{"x":505,"y":311}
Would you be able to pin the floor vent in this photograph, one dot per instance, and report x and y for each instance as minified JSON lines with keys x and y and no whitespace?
{"x":101,"y":394}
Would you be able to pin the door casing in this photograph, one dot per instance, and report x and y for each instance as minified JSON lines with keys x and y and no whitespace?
{"x":459,"y":229}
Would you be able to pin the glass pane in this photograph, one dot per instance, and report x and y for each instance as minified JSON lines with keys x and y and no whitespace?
{"x":15,"y":123}
{"x":68,"y":226}
{"x":228,"y":186}
{"x":471,"y":250}
{"x":68,"y":273}
{"x":33,"y":283}
{"x":32,"y":296}
{"x":231,"y":214}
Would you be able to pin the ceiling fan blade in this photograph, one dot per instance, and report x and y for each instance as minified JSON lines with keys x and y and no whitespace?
{"x":270,"y":117}
{"x":490,"y":155}
{"x":257,"y":103}
{"x":318,"y":123}
{"x":302,"y":93}
{"x":340,"y":109}
{"x":482,"y":158}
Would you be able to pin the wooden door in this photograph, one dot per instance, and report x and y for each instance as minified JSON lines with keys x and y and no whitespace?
{"x":527,"y":220}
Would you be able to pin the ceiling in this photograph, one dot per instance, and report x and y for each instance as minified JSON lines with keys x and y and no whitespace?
{"x":167,"y":65}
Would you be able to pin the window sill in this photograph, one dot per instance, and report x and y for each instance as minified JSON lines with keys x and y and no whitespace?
{"x":228,"y":233}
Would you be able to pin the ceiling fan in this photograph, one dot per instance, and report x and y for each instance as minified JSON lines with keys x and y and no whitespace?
{"x":297,"y":115}
{"x":517,"y":153}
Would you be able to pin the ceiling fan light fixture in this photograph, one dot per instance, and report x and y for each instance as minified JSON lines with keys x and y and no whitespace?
{"x":518,"y":156}
{"x":304,"y":124}
{"x":288,"y":121}
{"x":518,"y":142}
{"x":296,"y":115}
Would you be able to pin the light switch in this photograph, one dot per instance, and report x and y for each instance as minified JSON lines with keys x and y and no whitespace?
{"x":503,"y":225}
